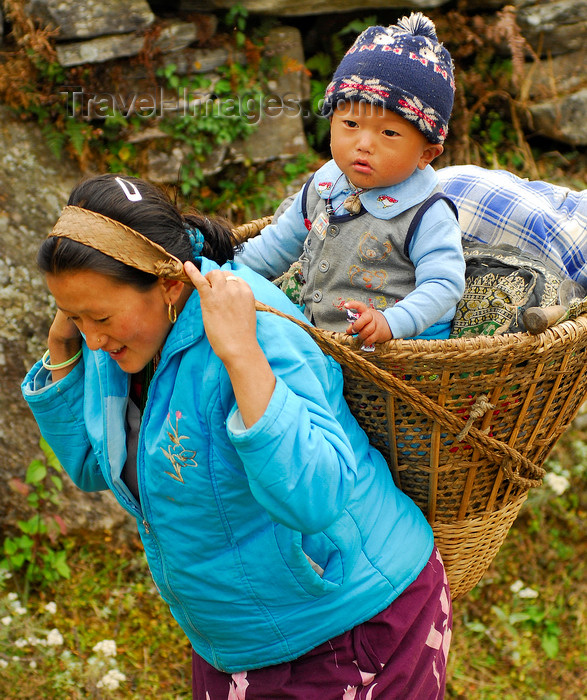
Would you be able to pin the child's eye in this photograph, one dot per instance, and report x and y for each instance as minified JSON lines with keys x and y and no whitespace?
{"x":101,"y":320}
{"x":350,"y":123}
{"x":390,"y":132}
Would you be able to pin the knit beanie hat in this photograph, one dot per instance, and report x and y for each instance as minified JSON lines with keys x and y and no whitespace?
{"x":403,"y":68}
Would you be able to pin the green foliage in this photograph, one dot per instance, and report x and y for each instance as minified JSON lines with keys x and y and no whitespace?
{"x":102,"y":633}
{"x":37,"y":556}
{"x":520,"y":632}
{"x":246,"y":193}
{"x":322,"y":65}
{"x":217,"y":115}
{"x":236,"y":17}
{"x":214,"y":120}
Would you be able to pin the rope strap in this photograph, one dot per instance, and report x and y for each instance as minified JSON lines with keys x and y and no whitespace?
{"x":511,"y":461}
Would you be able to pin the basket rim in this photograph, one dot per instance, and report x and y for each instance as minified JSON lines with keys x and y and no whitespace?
{"x":480,"y":346}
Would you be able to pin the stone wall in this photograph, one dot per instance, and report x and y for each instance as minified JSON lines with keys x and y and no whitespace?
{"x":34,"y":186}
{"x":184,"y":33}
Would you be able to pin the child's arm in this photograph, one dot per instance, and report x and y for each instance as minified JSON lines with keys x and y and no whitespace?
{"x":279,"y":245}
{"x":437,"y":253}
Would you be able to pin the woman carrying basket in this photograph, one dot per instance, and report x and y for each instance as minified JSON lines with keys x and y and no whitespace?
{"x":272,"y":528}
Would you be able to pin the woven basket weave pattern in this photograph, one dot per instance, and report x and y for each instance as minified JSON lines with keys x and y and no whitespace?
{"x":536,"y":386}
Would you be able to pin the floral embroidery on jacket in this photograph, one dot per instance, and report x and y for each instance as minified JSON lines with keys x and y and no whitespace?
{"x":176,"y":453}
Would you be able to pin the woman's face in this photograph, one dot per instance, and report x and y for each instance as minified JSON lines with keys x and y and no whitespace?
{"x":129,"y":324}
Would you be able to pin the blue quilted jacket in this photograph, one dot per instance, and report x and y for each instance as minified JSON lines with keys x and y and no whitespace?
{"x":265,"y":542}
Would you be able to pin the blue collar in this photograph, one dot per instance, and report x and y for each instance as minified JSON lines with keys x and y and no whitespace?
{"x":381,"y":202}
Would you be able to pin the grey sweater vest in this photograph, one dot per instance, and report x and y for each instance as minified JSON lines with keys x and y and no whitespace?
{"x":356,"y":257}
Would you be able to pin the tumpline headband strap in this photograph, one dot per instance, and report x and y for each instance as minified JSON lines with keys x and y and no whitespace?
{"x":117,"y":241}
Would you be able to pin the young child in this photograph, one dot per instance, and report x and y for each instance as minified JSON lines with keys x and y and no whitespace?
{"x":375,"y":238}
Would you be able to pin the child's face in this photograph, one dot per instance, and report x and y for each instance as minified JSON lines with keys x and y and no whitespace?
{"x":375,"y":147}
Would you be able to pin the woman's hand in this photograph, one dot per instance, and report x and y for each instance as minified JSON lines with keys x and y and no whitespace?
{"x":228,"y":311}
{"x":230,"y":322}
{"x":64,"y":341}
{"x":64,"y":331}
{"x":371,"y":326}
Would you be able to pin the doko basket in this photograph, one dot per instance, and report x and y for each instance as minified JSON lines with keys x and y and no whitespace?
{"x":465,"y":424}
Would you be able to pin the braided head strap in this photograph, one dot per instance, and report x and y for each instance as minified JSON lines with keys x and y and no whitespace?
{"x":117,"y":241}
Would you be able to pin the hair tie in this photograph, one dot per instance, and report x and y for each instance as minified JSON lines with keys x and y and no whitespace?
{"x":196,"y":240}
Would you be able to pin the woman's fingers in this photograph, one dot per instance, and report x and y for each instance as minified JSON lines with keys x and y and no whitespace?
{"x":228,"y":310}
{"x":195,"y":275}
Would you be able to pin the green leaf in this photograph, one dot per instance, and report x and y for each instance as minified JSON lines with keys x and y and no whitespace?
{"x":10,"y":546}
{"x":519,"y":617}
{"x":24,"y":542}
{"x":77,"y":133}
{"x":476,"y":626}
{"x":549,"y":645}
{"x":30,"y":527}
{"x":17,"y":560}
{"x":36,"y":472}
{"x":61,"y":566}
{"x":57,"y":482}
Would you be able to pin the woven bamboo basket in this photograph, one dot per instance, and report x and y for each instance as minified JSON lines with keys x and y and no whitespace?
{"x":464,"y":424}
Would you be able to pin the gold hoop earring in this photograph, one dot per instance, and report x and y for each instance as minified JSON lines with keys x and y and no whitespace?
{"x":171,"y":312}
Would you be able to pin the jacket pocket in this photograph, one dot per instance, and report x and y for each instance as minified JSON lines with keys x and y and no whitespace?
{"x":322,"y":562}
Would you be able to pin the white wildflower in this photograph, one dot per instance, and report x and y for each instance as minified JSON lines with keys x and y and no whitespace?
{"x":107,"y":647}
{"x":19,"y":610}
{"x":51,"y":608}
{"x":11,"y":597}
{"x":111,"y":680}
{"x":557,"y":483}
{"x":3,"y":663}
{"x":20,"y":643}
{"x":33,"y":664}
{"x":516,"y":586}
{"x":528,"y":593}
{"x":54,"y":638}
{"x":522,"y":590}
{"x":6,"y":620}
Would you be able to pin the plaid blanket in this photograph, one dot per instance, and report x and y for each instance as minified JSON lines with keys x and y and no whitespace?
{"x":499,"y":208}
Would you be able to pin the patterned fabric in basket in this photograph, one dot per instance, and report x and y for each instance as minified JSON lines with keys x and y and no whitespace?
{"x":501,"y":283}
{"x":291,"y":283}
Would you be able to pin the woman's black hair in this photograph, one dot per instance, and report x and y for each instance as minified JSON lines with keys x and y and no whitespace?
{"x":154,"y":215}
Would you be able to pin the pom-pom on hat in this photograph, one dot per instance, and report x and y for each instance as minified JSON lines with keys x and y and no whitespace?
{"x":403,"y":68}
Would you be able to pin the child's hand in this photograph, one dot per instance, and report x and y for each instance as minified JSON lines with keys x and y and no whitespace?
{"x":371,"y":326}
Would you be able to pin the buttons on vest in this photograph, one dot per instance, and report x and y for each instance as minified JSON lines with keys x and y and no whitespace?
{"x":324,"y":266}
{"x":317,"y":296}
{"x":333,"y":229}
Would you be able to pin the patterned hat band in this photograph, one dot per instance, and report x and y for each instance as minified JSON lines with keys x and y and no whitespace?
{"x":425,"y":118}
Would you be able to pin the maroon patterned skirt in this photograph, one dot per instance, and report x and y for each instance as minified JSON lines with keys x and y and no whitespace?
{"x":400,"y":654}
